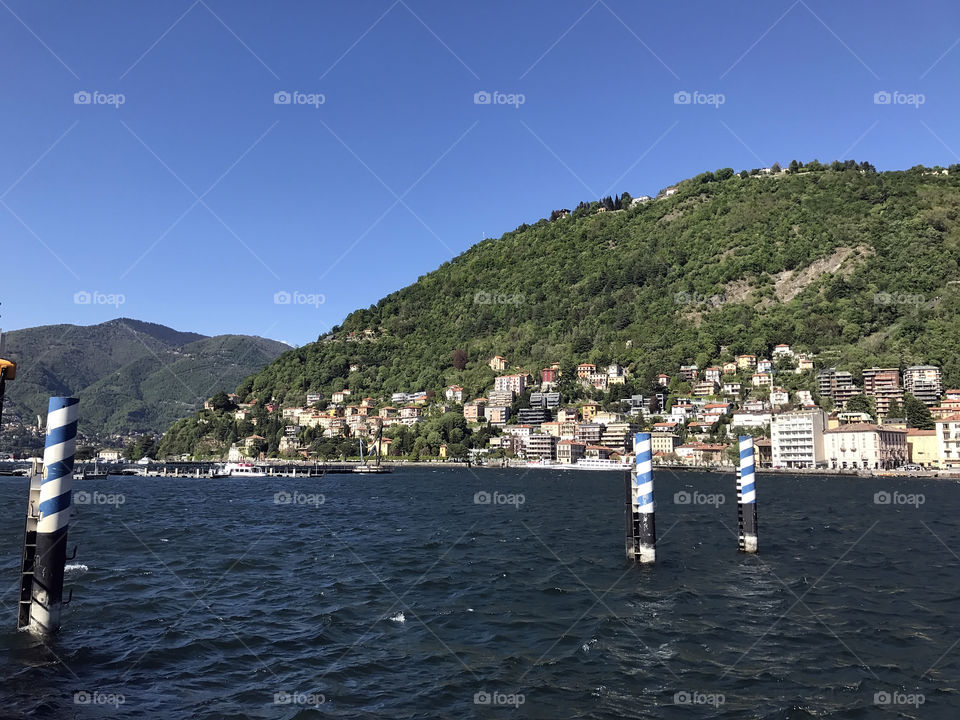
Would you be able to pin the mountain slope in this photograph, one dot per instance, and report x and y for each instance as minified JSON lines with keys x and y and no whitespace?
{"x":129,"y":375}
{"x":856,"y":265}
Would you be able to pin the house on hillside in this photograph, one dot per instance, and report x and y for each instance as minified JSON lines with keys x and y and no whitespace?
{"x":586,"y":370}
{"x":498,"y":363}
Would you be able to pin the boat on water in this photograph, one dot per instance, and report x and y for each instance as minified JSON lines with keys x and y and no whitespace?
{"x":373,"y":449}
{"x":236,"y":469}
{"x":583,"y":464}
{"x":601,"y":464}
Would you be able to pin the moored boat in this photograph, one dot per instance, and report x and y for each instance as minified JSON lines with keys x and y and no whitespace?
{"x":235,"y":469}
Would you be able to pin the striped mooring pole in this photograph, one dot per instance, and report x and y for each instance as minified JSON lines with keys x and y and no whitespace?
{"x":641,"y":528}
{"x":747,"y":496}
{"x":52,"y":518}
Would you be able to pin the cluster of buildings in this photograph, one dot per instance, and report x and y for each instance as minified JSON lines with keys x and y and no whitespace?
{"x":732,"y":397}
{"x":884,"y":385}
{"x":811,"y":439}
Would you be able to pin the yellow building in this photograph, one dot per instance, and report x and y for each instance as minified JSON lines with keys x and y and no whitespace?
{"x":589,"y":411}
{"x":922,"y":447}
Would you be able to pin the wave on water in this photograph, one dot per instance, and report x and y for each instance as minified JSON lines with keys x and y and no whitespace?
{"x":398,"y":618}
{"x":77,"y":569}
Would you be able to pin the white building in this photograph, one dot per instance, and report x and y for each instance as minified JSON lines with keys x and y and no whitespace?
{"x":779,"y":396}
{"x":750,"y":420}
{"x":510,"y":383}
{"x":948,"y":442}
{"x":797,"y":439}
{"x":924,"y":383}
{"x":864,"y":445}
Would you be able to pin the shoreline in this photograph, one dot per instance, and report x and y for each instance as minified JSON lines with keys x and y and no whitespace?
{"x":931,"y":474}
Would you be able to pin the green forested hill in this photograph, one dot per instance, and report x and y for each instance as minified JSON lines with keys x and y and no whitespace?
{"x":841,"y":260}
{"x":129,"y":375}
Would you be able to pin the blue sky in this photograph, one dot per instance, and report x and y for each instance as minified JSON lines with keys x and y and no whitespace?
{"x":187,"y":192}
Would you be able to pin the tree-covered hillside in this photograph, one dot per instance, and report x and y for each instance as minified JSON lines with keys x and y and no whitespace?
{"x":130,"y":376}
{"x":858,"y":266}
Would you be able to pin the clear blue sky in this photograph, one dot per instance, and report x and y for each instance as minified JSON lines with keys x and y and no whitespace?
{"x":198,"y":198}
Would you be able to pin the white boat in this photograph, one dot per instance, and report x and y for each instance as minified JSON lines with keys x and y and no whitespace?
{"x":601,"y":464}
{"x":234,"y":469}
{"x":583,"y":464}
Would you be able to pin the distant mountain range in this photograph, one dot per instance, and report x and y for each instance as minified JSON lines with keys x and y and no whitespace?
{"x":129,"y":375}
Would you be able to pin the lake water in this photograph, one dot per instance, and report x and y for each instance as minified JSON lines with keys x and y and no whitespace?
{"x":399,"y":596}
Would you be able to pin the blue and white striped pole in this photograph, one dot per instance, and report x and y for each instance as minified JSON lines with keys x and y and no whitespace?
{"x":747,"y":495}
{"x":54,"y":515}
{"x":641,"y":529}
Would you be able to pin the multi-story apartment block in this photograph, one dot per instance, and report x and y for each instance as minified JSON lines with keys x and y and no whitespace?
{"x":589,"y":433}
{"x":924,"y":383}
{"x":797,"y":438}
{"x":883,"y":385}
{"x":510,"y":383}
{"x":542,"y":447}
{"x":836,"y":384}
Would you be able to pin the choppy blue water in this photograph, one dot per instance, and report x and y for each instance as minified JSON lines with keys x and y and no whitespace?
{"x":398,"y":596}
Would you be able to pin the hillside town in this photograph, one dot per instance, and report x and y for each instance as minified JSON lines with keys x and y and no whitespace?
{"x":802,"y":417}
